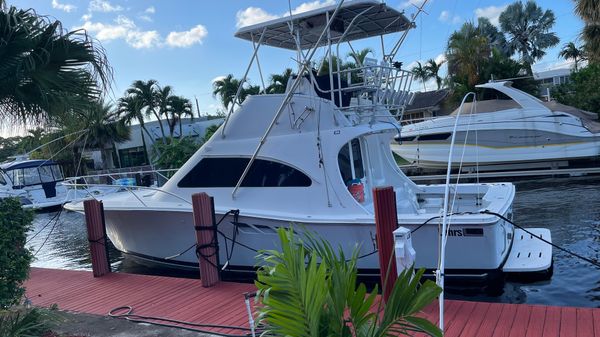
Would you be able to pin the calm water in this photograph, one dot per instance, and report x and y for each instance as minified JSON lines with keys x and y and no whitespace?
{"x":570,"y":208}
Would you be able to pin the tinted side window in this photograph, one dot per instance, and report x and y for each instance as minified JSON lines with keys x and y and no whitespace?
{"x":436,"y":136}
{"x":225,"y":172}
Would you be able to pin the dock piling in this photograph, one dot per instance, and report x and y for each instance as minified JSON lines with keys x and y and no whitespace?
{"x":386,"y":221}
{"x":96,"y":233}
{"x":206,"y":238}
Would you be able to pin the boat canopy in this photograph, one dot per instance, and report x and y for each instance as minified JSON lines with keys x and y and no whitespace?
{"x":375,"y":19}
{"x":27,"y":164}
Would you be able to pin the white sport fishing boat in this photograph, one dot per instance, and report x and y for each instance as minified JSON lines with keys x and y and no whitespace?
{"x":311,"y":156}
{"x":516,"y":133}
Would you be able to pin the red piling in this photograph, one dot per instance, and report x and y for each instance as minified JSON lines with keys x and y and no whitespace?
{"x":386,"y":221}
{"x":206,"y":238}
{"x":96,"y":233}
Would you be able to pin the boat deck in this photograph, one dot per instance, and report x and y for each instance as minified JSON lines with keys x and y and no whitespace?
{"x":186,"y":300}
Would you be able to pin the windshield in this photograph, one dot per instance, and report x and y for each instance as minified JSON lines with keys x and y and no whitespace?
{"x":35,"y":175}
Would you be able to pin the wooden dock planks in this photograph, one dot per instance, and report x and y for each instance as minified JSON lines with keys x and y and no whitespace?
{"x":223,"y":304}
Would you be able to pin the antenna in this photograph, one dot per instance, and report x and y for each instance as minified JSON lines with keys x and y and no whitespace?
{"x":197,"y":107}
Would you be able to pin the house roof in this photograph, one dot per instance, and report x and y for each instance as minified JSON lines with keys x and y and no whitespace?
{"x":427,"y":99}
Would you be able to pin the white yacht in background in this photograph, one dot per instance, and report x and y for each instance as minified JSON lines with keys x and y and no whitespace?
{"x":37,"y":183}
{"x":312,"y":156}
{"x":519,"y":132}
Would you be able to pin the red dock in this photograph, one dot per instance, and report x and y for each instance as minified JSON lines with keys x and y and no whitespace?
{"x":187,"y":300}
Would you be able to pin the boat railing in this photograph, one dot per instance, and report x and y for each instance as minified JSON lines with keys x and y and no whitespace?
{"x":359,"y":90}
{"x":83,"y":183}
{"x":158,"y":177}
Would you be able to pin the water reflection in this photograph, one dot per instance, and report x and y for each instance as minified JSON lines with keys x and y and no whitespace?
{"x":568,"y":207}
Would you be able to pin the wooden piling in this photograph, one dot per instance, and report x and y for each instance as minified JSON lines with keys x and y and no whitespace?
{"x":96,"y":233}
{"x":386,"y":221}
{"x":206,"y":238}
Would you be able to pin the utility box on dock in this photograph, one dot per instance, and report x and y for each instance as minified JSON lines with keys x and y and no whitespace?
{"x":403,"y":249}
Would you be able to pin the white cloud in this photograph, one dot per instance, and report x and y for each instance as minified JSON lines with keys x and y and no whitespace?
{"x":253,"y":15}
{"x":491,"y":12}
{"x":441,"y":58}
{"x":187,"y":38}
{"x":86,"y":17}
{"x":123,"y":28}
{"x":150,"y":10}
{"x":309,"y":6}
{"x":103,"y":6}
{"x":143,"y":39}
{"x":63,"y":7}
{"x":446,"y":16}
{"x":218,"y":78}
{"x":145,"y":18}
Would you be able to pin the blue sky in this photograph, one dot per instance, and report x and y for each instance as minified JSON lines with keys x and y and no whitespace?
{"x":188,"y":43}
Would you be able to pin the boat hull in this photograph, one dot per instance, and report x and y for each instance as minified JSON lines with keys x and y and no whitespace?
{"x":159,"y":236}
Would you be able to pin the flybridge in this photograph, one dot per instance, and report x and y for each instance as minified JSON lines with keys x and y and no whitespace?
{"x":354,"y":20}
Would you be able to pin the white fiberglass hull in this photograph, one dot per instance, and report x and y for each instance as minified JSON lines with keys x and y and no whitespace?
{"x":436,"y":155}
{"x":160,"y":235}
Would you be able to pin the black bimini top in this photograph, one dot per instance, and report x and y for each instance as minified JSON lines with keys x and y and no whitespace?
{"x":376,"y":19}
{"x":27,"y":164}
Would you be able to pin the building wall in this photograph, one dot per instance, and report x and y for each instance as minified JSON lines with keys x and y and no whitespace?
{"x":131,"y":152}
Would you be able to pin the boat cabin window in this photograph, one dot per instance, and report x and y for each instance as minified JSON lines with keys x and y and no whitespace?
{"x":350,"y":161}
{"x":435,"y":136}
{"x":29,"y":176}
{"x":225,"y":172}
{"x":2,"y":180}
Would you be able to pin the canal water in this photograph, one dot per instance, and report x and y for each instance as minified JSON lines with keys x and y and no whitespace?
{"x":570,"y":208}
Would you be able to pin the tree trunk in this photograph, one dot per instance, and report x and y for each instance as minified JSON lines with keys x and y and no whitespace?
{"x":146,"y":157}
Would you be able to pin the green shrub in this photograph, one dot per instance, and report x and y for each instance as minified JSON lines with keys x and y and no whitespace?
{"x":582,"y":89}
{"x":25,"y":322}
{"x":173,"y":154}
{"x":15,"y":222}
{"x":310,"y":290}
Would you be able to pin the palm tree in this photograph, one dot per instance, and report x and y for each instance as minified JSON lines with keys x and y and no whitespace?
{"x":528,"y":29}
{"x":178,"y":107}
{"x":589,"y":11}
{"x":279,"y":82}
{"x":45,"y":70}
{"x":162,"y":96}
{"x":147,"y":92}
{"x":105,"y":128}
{"x":432,"y":69}
{"x":226,"y":88}
{"x":421,"y":74}
{"x":310,"y":289}
{"x":467,"y":53}
{"x":571,"y":52}
{"x":359,"y":58}
{"x":130,"y":109}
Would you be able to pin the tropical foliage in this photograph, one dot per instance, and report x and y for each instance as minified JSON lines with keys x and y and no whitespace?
{"x":46,"y":71}
{"x":104,"y":128}
{"x":175,"y":153}
{"x":15,"y":222}
{"x":589,"y":11}
{"x":581,"y":90}
{"x":420,"y":74}
{"x":527,"y":28}
{"x":226,"y":88}
{"x":22,"y":322}
{"x":571,"y":52}
{"x":310,"y":289}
